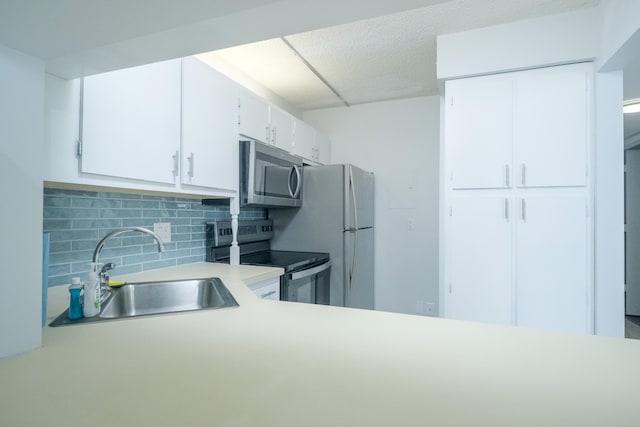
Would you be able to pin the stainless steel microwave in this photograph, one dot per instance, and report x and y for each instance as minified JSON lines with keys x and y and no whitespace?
{"x":269,"y":177}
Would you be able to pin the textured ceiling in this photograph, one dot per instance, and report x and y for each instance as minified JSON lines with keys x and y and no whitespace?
{"x":388,"y":57}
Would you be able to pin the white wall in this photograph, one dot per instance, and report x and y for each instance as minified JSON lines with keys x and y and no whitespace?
{"x":399,"y":142}
{"x":21,"y":165}
{"x":551,"y":40}
{"x":609,"y":205}
{"x":620,"y":24}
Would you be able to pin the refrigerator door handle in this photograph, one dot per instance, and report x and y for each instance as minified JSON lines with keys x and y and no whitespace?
{"x":353,"y":257}
{"x":353,"y":196}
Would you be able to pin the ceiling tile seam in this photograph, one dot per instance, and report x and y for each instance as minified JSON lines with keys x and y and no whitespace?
{"x":314,"y":71}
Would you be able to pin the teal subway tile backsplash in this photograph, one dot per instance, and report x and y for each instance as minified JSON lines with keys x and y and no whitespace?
{"x":76,"y":220}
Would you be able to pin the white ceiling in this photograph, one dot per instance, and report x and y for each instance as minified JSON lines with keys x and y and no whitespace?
{"x":381,"y":58}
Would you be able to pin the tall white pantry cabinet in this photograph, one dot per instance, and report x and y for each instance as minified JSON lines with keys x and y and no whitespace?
{"x":518,"y":218}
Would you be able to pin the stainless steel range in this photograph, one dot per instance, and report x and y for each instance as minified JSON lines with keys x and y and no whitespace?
{"x":306,"y":275}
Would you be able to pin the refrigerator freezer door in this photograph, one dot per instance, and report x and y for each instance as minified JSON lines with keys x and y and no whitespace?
{"x":358,"y":212}
{"x":358,"y":269}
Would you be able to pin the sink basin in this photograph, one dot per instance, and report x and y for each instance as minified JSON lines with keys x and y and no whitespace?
{"x":145,"y":298}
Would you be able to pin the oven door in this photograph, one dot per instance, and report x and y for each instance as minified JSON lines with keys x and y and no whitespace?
{"x":310,"y":285}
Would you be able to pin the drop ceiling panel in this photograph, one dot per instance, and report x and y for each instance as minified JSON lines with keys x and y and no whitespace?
{"x":377,"y":59}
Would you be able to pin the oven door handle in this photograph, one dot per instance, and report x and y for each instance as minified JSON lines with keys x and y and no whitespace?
{"x":309,"y":272}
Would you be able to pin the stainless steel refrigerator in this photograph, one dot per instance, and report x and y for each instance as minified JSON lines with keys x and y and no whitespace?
{"x":336,"y":217}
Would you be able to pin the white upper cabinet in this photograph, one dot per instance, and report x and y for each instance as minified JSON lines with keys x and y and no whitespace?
{"x":304,"y":144}
{"x":265,"y":122}
{"x":131,"y":123}
{"x":479,"y":132}
{"x":551,"y":126}
{"x":253,"y":117}
{"x":281,"y":125}
{"x":209,"y":127}
{"x":323,"y":148}
{"x":311,"y":144}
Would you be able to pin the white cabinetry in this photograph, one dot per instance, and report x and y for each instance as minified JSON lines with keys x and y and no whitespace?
{"x":480,"y":279}
{"x":264,"y":122}
{"x":551,"y":127}
{"x":304,"y":142}
{"x":209,"y":127}
{"x":168,"y":127}
{"x":268,"y":289}
{"x":479,"y":126}
{"x":310,"y":143}
{"x":518,"y":237}
{"x":253,"y":117}
{"x":323,"y":148}
{"x":131,"y":123}
{"x":552,"y":262}
{"x":281,"y":125}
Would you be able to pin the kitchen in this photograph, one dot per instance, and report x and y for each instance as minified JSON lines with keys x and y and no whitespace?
{"x":341,"y":152}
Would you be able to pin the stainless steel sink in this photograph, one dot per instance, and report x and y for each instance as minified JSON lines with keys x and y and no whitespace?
{"x":145,"y":298}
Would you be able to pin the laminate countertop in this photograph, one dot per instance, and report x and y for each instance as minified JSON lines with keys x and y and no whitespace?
{"x":273,"y":363}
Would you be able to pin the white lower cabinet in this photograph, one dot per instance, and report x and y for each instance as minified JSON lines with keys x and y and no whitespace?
{"x":552,"y":281}
{"x":267,"y":289}
{"x":520,"y":261}
{"x":480,"y":259}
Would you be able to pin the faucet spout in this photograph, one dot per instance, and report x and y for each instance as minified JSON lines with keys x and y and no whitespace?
{"x":96,"y":252}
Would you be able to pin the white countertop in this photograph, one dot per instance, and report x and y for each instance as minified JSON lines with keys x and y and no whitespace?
{"x":271,"y":363}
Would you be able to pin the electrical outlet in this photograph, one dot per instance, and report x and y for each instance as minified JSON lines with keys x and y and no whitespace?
{"x":163,"y":230}
{"x":410,"y":224}
{"x":429,"y":308}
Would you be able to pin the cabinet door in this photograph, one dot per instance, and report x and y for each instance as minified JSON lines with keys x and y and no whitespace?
{"x":209,"y":127}
{"x":480,"y":259}
{"x":479,"y":132}
{"x":551,"y":263}
{"x":281,"y":124}
{"x":131,"y":122}
{"x":323,"y":148}
{"x":552,"y":126}
{"x":268,"y":289}
{"x":304,"y":140}
{"x":253,"y":117}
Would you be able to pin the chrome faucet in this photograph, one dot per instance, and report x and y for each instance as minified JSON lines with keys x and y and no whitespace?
{"x":104,"y":272}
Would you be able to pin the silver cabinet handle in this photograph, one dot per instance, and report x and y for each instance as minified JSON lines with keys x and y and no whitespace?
{"x":523,"y":175}
{"x":506,"y":209}
{"x":175,"y":163}
{"x":268,"y":133}
{"x":274,"y":136}
{"x":523,"y":210}
{"x":506,"y":175}
{"x":190,"y":159}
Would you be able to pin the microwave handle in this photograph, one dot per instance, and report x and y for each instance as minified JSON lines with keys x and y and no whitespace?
{"x":295,"y":193}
